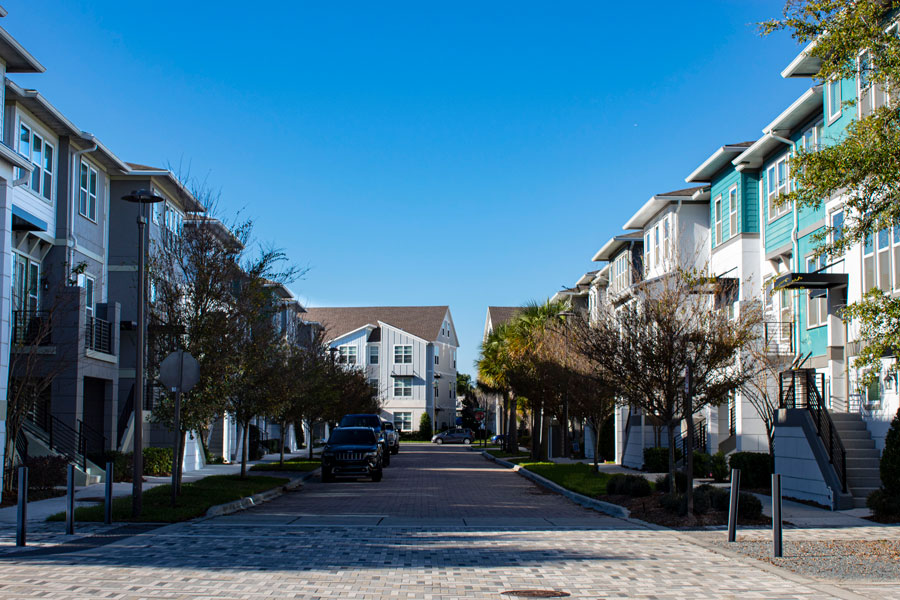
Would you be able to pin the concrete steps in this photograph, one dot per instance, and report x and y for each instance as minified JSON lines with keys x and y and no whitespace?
{"x":863,"y":475}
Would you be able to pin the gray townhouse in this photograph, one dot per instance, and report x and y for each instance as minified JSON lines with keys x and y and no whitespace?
{"x":408,"y":353}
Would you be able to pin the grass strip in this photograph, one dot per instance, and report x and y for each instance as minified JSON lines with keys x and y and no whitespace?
{"x":196,"y":498}
{"x":578,"y":477}
{"x":302,"y":465}
{"x":505,"y":454}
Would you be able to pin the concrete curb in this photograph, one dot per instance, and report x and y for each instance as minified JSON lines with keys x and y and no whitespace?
{"x":613,"y":510}
{"x":245,"y":503}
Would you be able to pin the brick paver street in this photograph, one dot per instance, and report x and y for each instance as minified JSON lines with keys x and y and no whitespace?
{"x":444,"y":523}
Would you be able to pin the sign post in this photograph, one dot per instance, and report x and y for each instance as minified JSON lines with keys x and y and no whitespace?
{"x":179,"y":372}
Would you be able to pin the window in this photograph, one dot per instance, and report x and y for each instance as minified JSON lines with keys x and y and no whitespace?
{"x":777,"y":179}
{"x":884,"y":259}
{"x":454,"y":359}
{"x":647,"y":254}
{"x":656,"y":245}
{"x":816,"y":305}
{"x":40,"y":152}
{"x":896,"y":257}
{"x":373,"y":355}
{"x":25,"y":283}
{"x":864,"y":89}
{"x":347,"y":355}
{"x":437,"y":354}
{"x":437,"y":390}
{"x":173,"y":221}
{"x":373,"y":382}
{"x":403,"y":354}
{"x":87,"y":196}
{"x":833,"y":96}
{"x":837,"y":225}
{"x":718,"y":209}
{"x":868,"y":263}
{"x":403,"y":387}
{"x":787,"y":312}
{"x":403,"y":420}
{"x":621,"y":272}
{"x":732,"y":212}
{"x":666,"y":250}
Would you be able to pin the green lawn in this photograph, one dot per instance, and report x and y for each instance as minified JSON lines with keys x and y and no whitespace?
{"x":497,"y":453}
{"x":295,"y":464}
{"x":578,"y":477}
{"x":196,"y":498}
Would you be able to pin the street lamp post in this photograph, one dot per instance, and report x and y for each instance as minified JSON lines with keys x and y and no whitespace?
{"x":565,"y":315}
{"x":141,"y":198}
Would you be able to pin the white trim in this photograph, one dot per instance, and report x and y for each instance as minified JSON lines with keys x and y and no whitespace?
{"x":732,"y":211}
{"x":394,"y":354}
{"x":829,"y":113}
{"x":333,"y":340}
{"x":354,"y":354}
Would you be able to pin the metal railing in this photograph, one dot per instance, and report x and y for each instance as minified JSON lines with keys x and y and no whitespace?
{"x":98,"y":335}
{"x":31,"y":328}
{"x":92,"y":441}
{"x":60,"y":438}
{"x":802,"y":388}
{"x":700,"y":441}
{"x":779,"y":336}
{"x":732,"y":415}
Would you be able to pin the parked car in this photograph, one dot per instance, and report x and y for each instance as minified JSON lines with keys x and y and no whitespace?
{"x":373,"y":422}
{"x":392,"y":436}
{"x":454,"y":436}
{"x":500,"y":439}
{"x":352,"y":452}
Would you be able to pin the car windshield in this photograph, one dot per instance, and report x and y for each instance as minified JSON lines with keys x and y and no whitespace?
{"x":361,"y":421}
{"x":389,"y":426}
{"x":355,"y":437}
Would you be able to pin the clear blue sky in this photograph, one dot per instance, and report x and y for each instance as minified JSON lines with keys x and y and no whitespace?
{"x":461,"y":153}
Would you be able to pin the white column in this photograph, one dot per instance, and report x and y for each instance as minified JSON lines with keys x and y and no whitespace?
{"x":5,"y":307}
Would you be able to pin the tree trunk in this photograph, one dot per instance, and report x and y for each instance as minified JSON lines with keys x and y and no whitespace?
{"x":670,"y":431}
{"x":546,"y":419}
{"x":245,"y":450}
{"x":504,"y":424}
{"x":309,"y":441}
{"x":596,"y":428}
{"x":512,"y":441}
{"x":536,"y":425}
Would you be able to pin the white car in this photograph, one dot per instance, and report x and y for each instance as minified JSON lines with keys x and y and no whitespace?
{"x":392,"y":437}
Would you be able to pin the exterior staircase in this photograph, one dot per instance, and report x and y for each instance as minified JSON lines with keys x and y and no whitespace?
{"x":863,"y":476}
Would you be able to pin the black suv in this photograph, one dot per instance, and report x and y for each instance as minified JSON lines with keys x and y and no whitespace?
{"x":374,"y":423}
{"x":352,"y":452}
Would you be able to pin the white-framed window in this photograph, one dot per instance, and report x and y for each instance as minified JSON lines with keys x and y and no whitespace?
{"x":816,"y":306}
{"x":437,"y":354}
{"x":868,"y":263}
{"x":87,"y":191}
{"x":777,"y":183}
{"x":837,"y":225}
{"x":403,"y":420}
{"x":621,"y":272}
{"x":865,"y":90}
{"x":173,"y":221}
{"x":373,"y":355}
{"x":732,"y":211}
{"x":87,"y":282}
{"x":26,"y":287}
{"x":896,"y":242}
{"x":454,"y":359}
{"x":403,"y":387}
{"x":347,"y":354}
{"x":718,"y":219}
{"x":41,"y":153}
{"x":666,"y":238}
{"x":883,"y":242}
{"x":656,"y":245}
{"x":833,"y":99}
{"x":403,"y":354}
{"x":647,"y":247}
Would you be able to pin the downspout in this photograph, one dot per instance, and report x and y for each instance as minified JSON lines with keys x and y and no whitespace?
{"x":72,"y":241}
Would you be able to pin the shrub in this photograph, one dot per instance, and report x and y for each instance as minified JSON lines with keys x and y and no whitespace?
{"x":656,"y":460}
{"x":756,"y":469}
{"x":884,"y":506}
{"x":718,"y":467}
{"x":628,"y":485}
{"x":674,"y":503}
{"x":158,"y":461}
{"x":717,"y":497}
{"x":749,"y":506}
{"x":46,"y":472}
{"x":702,"y":501}
{"x":702,"y":462}
{"x":663,"y":482}
{"x":425,"y":427}
{"x":885,"y":502}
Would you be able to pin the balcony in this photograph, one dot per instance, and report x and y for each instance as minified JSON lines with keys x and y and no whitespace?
{"x":31,"y":328}
{"x":98,"y":335}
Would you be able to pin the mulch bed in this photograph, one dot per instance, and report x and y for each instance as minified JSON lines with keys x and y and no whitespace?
{"x":648,"y":509}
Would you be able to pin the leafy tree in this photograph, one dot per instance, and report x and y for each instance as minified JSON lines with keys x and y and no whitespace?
{"x":863,"y":166}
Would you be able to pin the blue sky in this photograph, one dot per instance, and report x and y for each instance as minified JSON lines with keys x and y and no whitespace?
{"x":464,"y":153}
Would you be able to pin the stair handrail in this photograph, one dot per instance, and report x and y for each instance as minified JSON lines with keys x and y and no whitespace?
{"x":92,"y":437}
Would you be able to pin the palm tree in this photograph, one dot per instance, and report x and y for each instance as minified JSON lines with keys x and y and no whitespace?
{"x":494,"y":367}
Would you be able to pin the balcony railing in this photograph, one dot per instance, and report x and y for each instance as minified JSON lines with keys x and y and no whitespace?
{"x":31,"y":328}
{"x":779,"y":336}
{"x":98,"y":335}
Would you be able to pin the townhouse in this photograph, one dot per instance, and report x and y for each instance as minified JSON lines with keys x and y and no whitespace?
{"x":408,"y":354}
{"x":497,"y":316}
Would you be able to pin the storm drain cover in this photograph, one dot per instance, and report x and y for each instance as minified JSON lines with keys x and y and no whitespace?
{"x":536,"y":594}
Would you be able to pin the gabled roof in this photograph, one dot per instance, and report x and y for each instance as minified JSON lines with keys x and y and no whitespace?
{"x":167,"y":179}
{"x":502,"y":314}
{"x":421,"y":321}
{"x":804,"y":64}
{"x":657,"y":203}
{"x":17,"y":58}
{"x":611,"y":248}
{"x":712,"y":165}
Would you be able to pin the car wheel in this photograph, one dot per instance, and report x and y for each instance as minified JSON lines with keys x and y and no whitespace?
{"x":327,"y":476}
{"x":467,"y":441}
{"x":377,"y":475}
{"x":439,"y":441}
{"x":395,"y":450}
